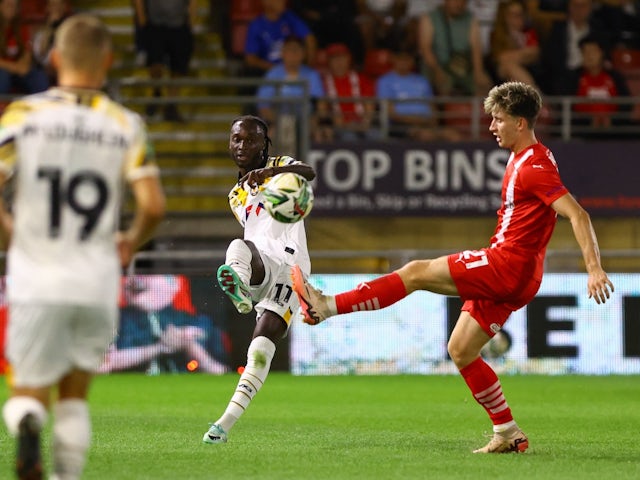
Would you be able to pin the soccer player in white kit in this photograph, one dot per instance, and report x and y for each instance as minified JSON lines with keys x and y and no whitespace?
{"x":70,"y":150}
{"x":257,"y":268}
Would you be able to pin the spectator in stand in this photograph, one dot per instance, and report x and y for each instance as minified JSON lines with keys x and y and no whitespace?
{"x":415,"y":10}
{"x":293,"y":68}
{"x":18,"y":71}
{"x":409,"y":97}
{"x":561,"y":53}
{"x":139,"y":40}
{"x":332,"y":21}
{"x":267,"y":33}
{"x":167,"y":28}
{"x":350,"y":120}
{"x":57,"y":11}
{"x":594,"y":80}
{"x":515,"y":50}
{"x":451,"y":49}
{"x":622,"y":18}
{"x":382,"y":22}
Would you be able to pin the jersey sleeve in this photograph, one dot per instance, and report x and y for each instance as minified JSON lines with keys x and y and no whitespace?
{"x":11,"y":121}
{"x":298,"y":26}
{"x":252,"y":40}
{"x":540,"y":176}
{"x":282,"y":160}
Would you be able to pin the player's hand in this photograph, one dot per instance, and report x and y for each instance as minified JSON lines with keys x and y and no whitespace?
{"x":125,"y":248}
{"x":599,"y":286}
{"x":255,"y":178}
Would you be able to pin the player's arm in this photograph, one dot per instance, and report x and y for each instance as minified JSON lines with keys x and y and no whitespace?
{"x":149,"y":211}
{"x":258,"y":176}
{"x":301,"y":169}
{"x":599,"y":286}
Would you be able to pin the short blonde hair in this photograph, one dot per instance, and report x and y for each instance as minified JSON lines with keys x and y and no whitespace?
{"x":83,"y":41}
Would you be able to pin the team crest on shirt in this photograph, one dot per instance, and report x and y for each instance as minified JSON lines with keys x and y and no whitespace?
{"x":238,"y":196}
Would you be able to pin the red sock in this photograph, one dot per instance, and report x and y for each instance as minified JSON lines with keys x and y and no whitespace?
{"x":373,"y":295}
{"x":487,"y":391}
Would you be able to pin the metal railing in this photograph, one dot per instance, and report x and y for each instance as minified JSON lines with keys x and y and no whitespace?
{"x":560,"y":117}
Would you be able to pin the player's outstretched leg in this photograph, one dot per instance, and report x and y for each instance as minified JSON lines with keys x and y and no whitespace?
{"x":233,"y":286}
{"x":28,"y":460}
{"x":511,"y":440}
{"x":374,"y":295}
{"x":314,"y":305}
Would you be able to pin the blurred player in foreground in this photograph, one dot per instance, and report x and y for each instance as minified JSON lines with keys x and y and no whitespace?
{"x":257,"y":268}
{"x":70,"y":149}
{"x":493,"y":281}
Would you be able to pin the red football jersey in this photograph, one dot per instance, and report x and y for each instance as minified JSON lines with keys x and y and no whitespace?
{"x":600,"y":86}
{"x":525,"y":220}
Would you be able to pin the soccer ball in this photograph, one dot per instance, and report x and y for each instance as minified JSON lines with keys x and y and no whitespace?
{"x":288,"y":197}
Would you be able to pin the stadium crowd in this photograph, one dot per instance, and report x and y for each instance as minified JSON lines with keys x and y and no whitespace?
{"x":354,"y":49}
{"x":451,"y":47}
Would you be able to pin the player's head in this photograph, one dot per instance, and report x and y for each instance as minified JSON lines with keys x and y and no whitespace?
{"x":82,"y":48}
{"x":249,"y":142}
{"x":515,"y":99}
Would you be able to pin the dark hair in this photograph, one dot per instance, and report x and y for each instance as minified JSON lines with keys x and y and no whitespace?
{"x":265,"y":130}
{"x":592,"y":38}
{"x":293,"y":39}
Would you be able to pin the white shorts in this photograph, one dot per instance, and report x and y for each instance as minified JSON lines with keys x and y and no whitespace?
{"x":275,"y":293}
{"x":45,"y":342}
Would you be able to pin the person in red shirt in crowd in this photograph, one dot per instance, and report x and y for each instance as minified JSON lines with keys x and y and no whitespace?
{"x":594,"y":80}
{"x":350,"y":120}
{"x":492,"y":281}
{"x":17,"y":68}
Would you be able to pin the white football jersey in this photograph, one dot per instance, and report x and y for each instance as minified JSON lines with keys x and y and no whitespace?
{"x":70,"y":152}
{"x":286,"y":241}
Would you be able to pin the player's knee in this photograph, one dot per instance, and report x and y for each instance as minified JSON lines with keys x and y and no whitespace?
{"x":414,"y":274}
{"x":458,"y":354}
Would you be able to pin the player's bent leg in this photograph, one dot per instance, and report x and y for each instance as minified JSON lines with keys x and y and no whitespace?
{"x":234,"y":288}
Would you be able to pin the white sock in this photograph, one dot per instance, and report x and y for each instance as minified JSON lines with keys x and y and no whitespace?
{"x":17,"y":407}
{"x":239,"y":258}
{"x":71,"y":438}
{"x":259,"y":356}
{"x":503,"y":427}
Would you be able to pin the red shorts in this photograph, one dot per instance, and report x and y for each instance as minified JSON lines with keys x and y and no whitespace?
{"x":494,"y":282}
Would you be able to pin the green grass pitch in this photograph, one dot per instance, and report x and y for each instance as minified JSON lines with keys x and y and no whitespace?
{"x":356,"y":427}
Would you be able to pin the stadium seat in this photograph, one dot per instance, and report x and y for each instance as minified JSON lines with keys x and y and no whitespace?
{"x":245,"y":10}
{"x":626,"y":60}
{"x":377,"y":62}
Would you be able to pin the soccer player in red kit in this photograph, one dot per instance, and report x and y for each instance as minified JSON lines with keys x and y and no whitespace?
{"x":493,"y":281}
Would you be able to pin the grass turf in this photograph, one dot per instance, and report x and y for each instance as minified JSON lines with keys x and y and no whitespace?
{"x":404,"y":427}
